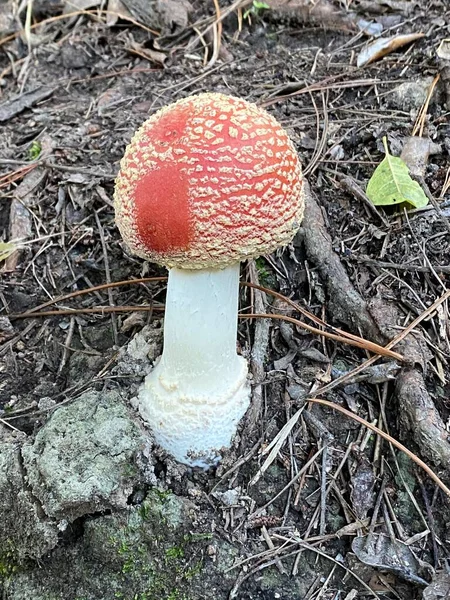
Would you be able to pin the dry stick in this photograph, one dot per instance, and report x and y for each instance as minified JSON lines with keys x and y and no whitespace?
{"x":430,"y":522}
{"x":259,"y":350}
{"x":96,"y":310}
{"x":392,"y":343}
{"x":105,"y":286}
{"x":420,"y":122}
{"x":365,"y":345}
{"x":387,"y":437}
{"x":325,"y":84}
{"x":305,"y":313}
{"x":401,"y":267}
{"x":305,"y":467}
{"x":108,"y":276}
{"x":323,"y":489}
{"x":217,"y":34}
{"x":345,"y":337}
{"x":77,"y":13}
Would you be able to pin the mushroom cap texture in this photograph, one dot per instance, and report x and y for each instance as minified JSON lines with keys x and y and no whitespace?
{"x":207,"y":182}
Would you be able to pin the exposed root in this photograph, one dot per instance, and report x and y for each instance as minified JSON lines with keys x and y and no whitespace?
{"x":417,"y":414}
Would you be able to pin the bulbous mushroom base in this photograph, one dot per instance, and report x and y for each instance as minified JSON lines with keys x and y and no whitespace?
{"x":193,"y":429}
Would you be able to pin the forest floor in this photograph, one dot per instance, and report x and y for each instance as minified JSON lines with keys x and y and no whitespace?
{"x":74,"y":86}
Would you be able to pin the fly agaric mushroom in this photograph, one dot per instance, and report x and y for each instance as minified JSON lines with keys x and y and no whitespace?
{"x":205,"y":183}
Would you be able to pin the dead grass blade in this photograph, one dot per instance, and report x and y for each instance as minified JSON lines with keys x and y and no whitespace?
{"x":426,"y":313}
{"x":91,"y":13}
{"x":389,"y":438}
{"x":343,"y":337}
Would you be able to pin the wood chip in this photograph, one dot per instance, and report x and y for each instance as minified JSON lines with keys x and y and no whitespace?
{"x":18,"y":104}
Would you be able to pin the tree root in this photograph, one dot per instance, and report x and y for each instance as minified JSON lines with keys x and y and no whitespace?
{"x":418,"y":417}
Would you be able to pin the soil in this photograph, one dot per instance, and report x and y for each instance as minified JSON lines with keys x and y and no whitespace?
{"x":72,"y":92}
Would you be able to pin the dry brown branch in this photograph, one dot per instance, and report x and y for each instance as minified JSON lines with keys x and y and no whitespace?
{"x":429,"y":433}
{"x":345,"y":304}
{"x":387,"y":437}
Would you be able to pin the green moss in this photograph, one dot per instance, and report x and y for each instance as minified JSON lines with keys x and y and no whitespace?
{"x":265,"y":276}
{"x":34,"y":150}
{"x":8,"y":560}
{"x":175,"y":552}
{"x":154,"y":548}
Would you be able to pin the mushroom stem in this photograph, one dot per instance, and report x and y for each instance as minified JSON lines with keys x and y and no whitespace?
{"x":197,"y":393}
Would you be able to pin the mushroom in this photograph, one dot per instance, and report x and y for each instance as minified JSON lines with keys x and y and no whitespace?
{"x":205,"y":183}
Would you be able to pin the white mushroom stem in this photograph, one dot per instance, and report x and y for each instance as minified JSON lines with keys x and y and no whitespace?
{"x":197,"y":393}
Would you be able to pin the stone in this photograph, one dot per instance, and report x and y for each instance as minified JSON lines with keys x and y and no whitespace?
{"x":409,"y":95}
{"x":25,"y":531}
{"x":82,"y":460}
{"x":147,"y":552}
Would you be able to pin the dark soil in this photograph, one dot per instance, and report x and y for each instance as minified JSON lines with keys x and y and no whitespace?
{"x":59,"y":157}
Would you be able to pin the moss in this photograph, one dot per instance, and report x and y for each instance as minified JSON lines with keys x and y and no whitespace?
{"x":154,"y":548}
{"x":8,"y":561}
{"x":265,"y":276}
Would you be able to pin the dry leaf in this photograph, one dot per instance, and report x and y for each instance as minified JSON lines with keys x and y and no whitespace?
{"x":8,"y":248}
{"x":167,"y":15}
{"x":74,"y":5}
{"x":379,"y":7}
{"x":6,"y":329}
{"x":415,"y":153}
{"x":116,"y":10}
{"x":391,"y":555}
{"x":362,"y":484}
{"x":383,"y":46}
{"x":154,"y":56}
{"x":7,"y":17}
{"x":439,"y":588}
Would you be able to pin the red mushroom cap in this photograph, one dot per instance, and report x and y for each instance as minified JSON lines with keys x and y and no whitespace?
{"x":207,"y":182}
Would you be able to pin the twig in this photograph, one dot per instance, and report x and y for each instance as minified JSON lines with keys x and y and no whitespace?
{"x":323,"y":489}
{"x":387,"y":437}
{"x":345,"y":337}
{"x":292,"y":481}
{"x":426,"y":313}
{"x":77,"y":13}
{"x":108,"y":276}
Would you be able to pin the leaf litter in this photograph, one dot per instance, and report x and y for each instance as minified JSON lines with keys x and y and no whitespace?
{"x":339,"y":106}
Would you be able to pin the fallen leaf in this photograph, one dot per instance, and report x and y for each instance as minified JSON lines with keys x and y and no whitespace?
{"x":382,"y":46}
{"x":379,"y":7}
{"x":370,"y":27}
{"x":116,"y":10}
{"x":443,"y":50}
{"x":392,"y":555}
{"x":75,"y":5}
{"x":8,"y":248}
{"x":392,"y":184}
{"x":167,"y":15}
{"x":362,"y":484}
{"x":415,"y":153}
{"x":7,"y":17}
{"x":6,"y":329}
{"x":18,"y":104}
{"x":150,"y":54}
{"x":439,"y":588}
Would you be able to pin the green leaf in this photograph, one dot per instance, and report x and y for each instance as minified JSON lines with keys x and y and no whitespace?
{"x":8,"y":248}
{"x":256,"y":8}
{"x":391,"y":184}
